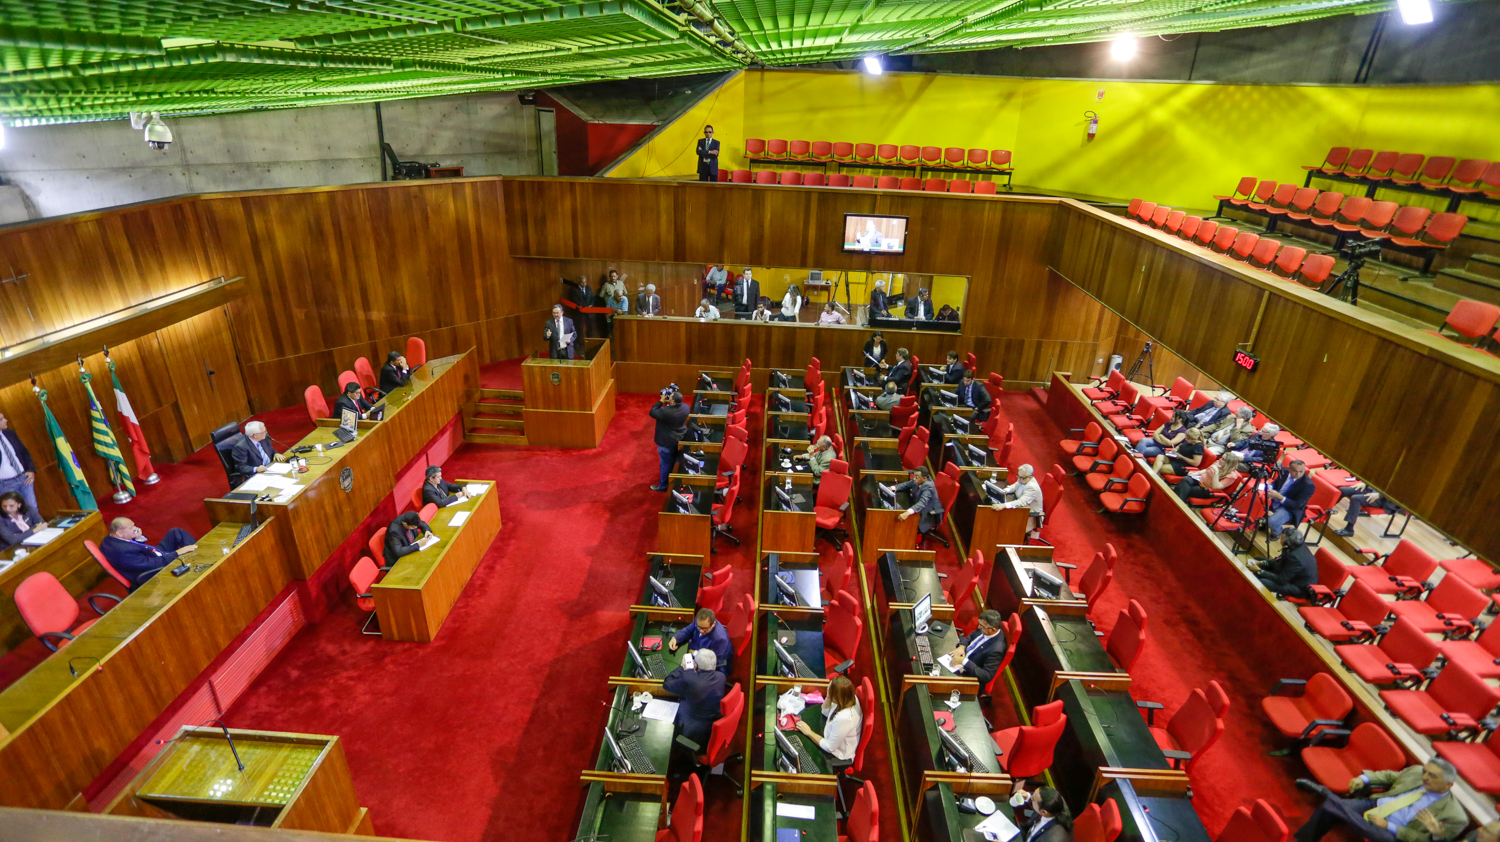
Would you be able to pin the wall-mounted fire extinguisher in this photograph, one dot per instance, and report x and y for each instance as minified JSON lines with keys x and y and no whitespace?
{"x":1093,"y":124}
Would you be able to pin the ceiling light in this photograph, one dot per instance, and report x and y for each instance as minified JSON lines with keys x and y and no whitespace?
{"x":872,"y":65}
{"x":2,"y":135}
{"x":1415,"y":11}
{"x":1123,"y":47}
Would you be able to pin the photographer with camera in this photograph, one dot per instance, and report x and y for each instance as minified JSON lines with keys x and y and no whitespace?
{"x":1261,"y":448}
{"x":671,"y":423}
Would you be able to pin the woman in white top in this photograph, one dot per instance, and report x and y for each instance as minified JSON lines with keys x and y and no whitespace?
{"x":843,"y":719}
{"x":791,"y":304}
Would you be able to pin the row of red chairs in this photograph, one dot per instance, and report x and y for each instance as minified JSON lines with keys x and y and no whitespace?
{"x":363,"y":373}
{"x":953,"y":157}
{"x":884,"y":182}
{"x":1465,"y":178}
{"x":1292,"y":262}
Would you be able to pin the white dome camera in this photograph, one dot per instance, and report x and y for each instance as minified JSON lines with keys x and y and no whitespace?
{"x":158,"y":136}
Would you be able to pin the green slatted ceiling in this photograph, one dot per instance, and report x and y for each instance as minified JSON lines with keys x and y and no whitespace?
{"x":100,"y":59}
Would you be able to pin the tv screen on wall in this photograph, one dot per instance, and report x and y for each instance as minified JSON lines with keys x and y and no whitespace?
{"x":867,"y":234}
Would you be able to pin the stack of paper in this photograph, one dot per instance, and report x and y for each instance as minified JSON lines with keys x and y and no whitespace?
{"x":661,"y":710}
{"x":997,"y":827}
{"x":280,"y":468}
{"x":288,"y":493}
{"x":40,"y":537}
{"x":459,"y":518}
{"x":262,"y":482}
{"x":787,"y":810}
{"x":474,"y":489}
{"x":429,"y":540}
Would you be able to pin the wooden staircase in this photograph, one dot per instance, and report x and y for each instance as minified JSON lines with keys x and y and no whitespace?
{"x":495,"y":417}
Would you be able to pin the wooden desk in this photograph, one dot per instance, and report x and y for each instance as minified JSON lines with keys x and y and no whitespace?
{"x":1010,"y":587}
{"x":621,"y":811}
{"x":569,"y":403}
{"x":64,"y":557}
{"x":688,"y":533}
{"x":315,"y":522}
{"x":415,"y":597}
{"x":681,"y":575}
{"x":787,"y":531}
{"x":771,"y":788}
{"x":992,"y":529}
{"x":882,"y":530}
{"x":291,"y":781}
{"x":936,"y":817}
{"x":922,"y":750}
{"x":149,"y":648}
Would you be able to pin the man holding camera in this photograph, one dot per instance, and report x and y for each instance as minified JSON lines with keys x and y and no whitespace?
{"x":1261,"y":448}
{"x":671,"y":423}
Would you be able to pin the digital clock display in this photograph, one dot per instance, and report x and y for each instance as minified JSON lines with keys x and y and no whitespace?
{"x":1246,"y":360}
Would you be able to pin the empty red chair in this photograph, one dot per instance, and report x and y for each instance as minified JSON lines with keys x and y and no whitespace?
{"x":1243,"y":245}
{"x":1128,"y":637}
{"x":985,"y":188}
{"x":839,"y":180}
{"x":822,"y":150}
{"x":1475,"y":571}
{"x":836,"y":577}
{"x":791,"y":177}
{"x":776,"y":148}
{"x":1403,"y":171}
{"x":864,"y":181}
{"x":1132,"y":208}
{"x":1441,"y":229}
{"x":1321,"y":702}
{"x":915,"y":453}
{"x":1359,"y":160}
{"x":721,"y":513}
{"x":1102,"y":460}
{"x":1243,"y":193}
{"x":888,"y":182}
{"x":1105,"y":388}
{"x":1332,"y":161}
{"x":1405,"y":222}
{"x":1188,"y":228}
{"x":911,"y":183}
{"x":1132,"y":500}
{"x":961,"y":185}
{"x":1401,"y":571}
{"x":1358,"y":617}
{"x":1350,"y":214}
{"x":51,"y":612}
{"x":687,"y":814}
{"x":1288,"y":261}
{"x":863,"y":151}
{"x":1301,"y":205}
{"x":1433,"y":173}
{"x":1381,"y":166}
{"x":1027,"y":750}
{"x":361,"y":577}
{"x":1323,"y":209}
{"x":1474,"y":320}
{"x":1085,"y":446}
{"x":747,"y":612}
{"x":1159,"y":216}
{"x":842,"y":631}
{"x":1208,"y":230}
{"x":317,"y":407}
{"x":711,"y":596}
{"x":1450,"y":609}
{"x":798,"y":149}
{"x":1260,"y":824}
{"x":1143,"y":212}
{"x":1000,"y":159}
{"x":1193,"y":728}
{"x":886,"y":153}
{"x":1118,"y":477}
{"x":1279,"y":199}
{"x":1263,"y":256}
{"x":910,"y":154}
{"x":1477,"y":763}
{"x":1094,"y":581}
{"x":1174,"y":221}
{"x":815,"y":179}
{"x":1376,"y":219}
{"x":863,"y":824}
{"x":831,"y":503}
{"x":766,"y":177}
{"x":754,"y":147}
{"x":1453,"y":703}
{"x":741,"y":177}
{"x":1487,"y":182}
{"x":1315,"y":270}
{"x":1098,"y":823}
{"x":932,"y":155}
{"x":953,"y":156}
{"x":1225,"y":238}
{"x":1369,"y":748}
{"x":1398,"y":658}
{"x":977,"y":158}
{"x":935,"y":185}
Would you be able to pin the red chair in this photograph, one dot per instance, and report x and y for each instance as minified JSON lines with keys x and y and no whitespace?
{"x":1243,"y":193}
{"x":1480,"y":656}
{"x":1174,"y":221}
{"x":1128,"y":637}
{"x":1260,"y":824}
{"x":1277,"y":204}
{"x":1381,"y":166}
{"x":711,"y":596}
{"x":947,"y":491}
{"x":317,"y":407}
{"x":1321,"y":703}
{"x":1118,"y":477}
{"x":863,"y":824}
{"x":1193,"y":728}
{"x":911,"y":183}
{"x":1143,"y":212}
{"x":888,"y":182}
{"x":1159,"y":216}
{"x":886,"y":153}
{"x":910,"y":154}
{"x":345,"y":378}
{"x":741,"y":177}
{"x":1094,"y":581}
{"x":1471,"y":319}
{"x":51,"y":612}
{"x":1400,"y":657}
{"x":1315,"y":270}
{"x":1012,"y":627}
{"x":363,"y":575}
{"x":1477,"y":763}
{"x":985,"y":188}
{"x":1475,"y":571}
{"x":839,"y":180}
{"x":842,"y":631}
{"x":365,"y":373}
{"x":1098,"y":823}
{"x":1242,"y":245}
{"x":960,"y":185}
{"x":960,"y":589}
{"x":719,"y":752}
{"x":865,"y":692}
{"x":428,"y":512}
{"x":1403,"y":171}
{"x":915,"y":453}
{"x":865,"y":181}
{"x":377,"y":547}
{"x":1450,"y":609}
{"x":1323,"y":209}
{"x":1359,"y":160}
{"x":108,"y":568}
{"x":831,"y":504}
{"x":1027,"y":751}
{"x":1263,"y":256}
{"x":721,"y":513}
{"x":747,"y":608}
{"x":798,"y":149}
{"x":1433,"y":173}
{"x":1369,"y":747}
{"x":1401,"y":572}
{"x":1132,"y":500}
{"x":1105,"y":388}
{"x":754,"y":147}
{"x":686,"y":824}
{"x":1359,"y":616}
{"x":1208,"y":230}
{"x":977,"y":158}
{"x":1452,"y":704}
{"x":935,"y":185}
{"x":1332,"y":161}
{"x":836,"y":577}
{"x":1350,"y":213}
{"x":1189,"y":227}
{"x":932,"y":155}
{"x":1288,"y":261}
{"x":1000,"y":159}
{"x":766,"y":177}
{"x":790,"y":178}
{"x":416,"y":351}
{"x":822,"y":150}
{"x":815,"y":179}
{"x":1406,"y":221}
{"x":1487,"y":183}
{"x":858,"y":151}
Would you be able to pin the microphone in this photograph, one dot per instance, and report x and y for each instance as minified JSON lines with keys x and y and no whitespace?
{"x":98,"y":667}
{"x":230,"y":740}
{"x":628,"y":722}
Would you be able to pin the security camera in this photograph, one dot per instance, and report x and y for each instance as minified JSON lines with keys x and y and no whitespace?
{"x":158,"y":136}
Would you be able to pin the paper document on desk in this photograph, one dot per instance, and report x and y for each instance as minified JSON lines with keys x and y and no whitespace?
{"x":280,"y":468}
{"x":459,"y":518}
{"x":288,"y":493}
{"x":262,"y":482}
{"x":947,"y":662}
{"x":475,"y":489}
{"x":998,"y":828}
{"x":42,"y":536}
{"x":806,"y":812}
{"x":428,"y":541}
{"x":661,"y":710}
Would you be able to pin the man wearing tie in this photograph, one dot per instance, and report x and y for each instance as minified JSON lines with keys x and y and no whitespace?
{"x":919,"y":308}
{"x":975,"y":395}
{"x":254,"y":452}
{"x":900,"y":373}
{"x":878,"y":304}
{"x":395,"y":373}
{"x":953,"y":372}
{"x":746,"y":294}
{"x":980,"y":654}
{"x":126,"y":548}
{"x":560,"y":334}
{"x":925,"y":502}
{"x":708,"y":156}
{"x":648,"y":303}
{"x":17,"y":471}
{"x":1417,"y":805}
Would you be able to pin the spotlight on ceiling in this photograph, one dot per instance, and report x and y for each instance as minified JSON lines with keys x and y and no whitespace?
{"x":873,"y":66}
{"x":1123,"y":48}
{"x":1415,"y":11}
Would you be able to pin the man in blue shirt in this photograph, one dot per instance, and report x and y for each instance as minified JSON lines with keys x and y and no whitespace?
{"x":1416,"y":806}
{"x":706,"y":633}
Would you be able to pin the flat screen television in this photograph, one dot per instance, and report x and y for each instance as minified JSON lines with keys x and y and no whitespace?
{"x":867,"y":234}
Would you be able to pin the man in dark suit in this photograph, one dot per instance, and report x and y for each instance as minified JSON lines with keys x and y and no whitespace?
{"x":746,"y":295}
{"x":708,"y":156}
{"x":953,"y":372}
{"x":352,"y":400}
{"x":979,"y":654}
{"x":920,"y":307}
{"x":699,"y":692}
{"x":1289,"y":492}
{"x":1044,"y":815}
{"x":395,"y":373}
{"x":401,"y":537}
{"x":925,"y":501}
{"x":976,"y":395}
{"x":254,"y":452}
{"x":900,"y":373}
{"x":560,"y":335}
{"x":647,"y":302}
{"x":126,"y":548}
{"x":435,"y":490}
{"x":17,"y":471}
{"x":1290,"y":573}
{"x":879,"y":306}
{"x":671,"y":423}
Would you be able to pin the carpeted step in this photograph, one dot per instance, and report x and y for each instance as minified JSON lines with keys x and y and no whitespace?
{"x":493,"y":409}
{"x":494,"y":423}
{"x":505,"y":394}
{"x":1467,"y":284}
{"x":494,"y":438}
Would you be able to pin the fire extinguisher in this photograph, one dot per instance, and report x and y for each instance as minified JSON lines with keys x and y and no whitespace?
{"x":1093,"y":124}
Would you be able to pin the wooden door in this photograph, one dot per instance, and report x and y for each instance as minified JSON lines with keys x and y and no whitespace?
{"x":205,"y":372}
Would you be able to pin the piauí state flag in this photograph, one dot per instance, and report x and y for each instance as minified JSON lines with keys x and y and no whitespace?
{"x":104,"y":439}
{"x":67,"y":460}
{"x":132,"y":427}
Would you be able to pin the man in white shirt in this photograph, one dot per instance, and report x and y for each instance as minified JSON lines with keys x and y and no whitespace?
{"x":1028,"y":495}
{"x":706,"y":312}
{"x":17,"y":471}
{"x":746,"y":295}
{"x":715,"y":278}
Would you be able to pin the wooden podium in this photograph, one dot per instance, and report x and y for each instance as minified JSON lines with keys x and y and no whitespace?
{"x":569,"y":403}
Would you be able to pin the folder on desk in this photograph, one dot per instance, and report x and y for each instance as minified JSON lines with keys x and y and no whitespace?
{"x":459,"y":518}
{"x":41,"y":536}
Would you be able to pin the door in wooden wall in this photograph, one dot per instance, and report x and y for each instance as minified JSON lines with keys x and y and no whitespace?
{"x":206,"y":374}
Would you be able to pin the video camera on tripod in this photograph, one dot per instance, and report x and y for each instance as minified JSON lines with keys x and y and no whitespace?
{"x":1346,"y":286}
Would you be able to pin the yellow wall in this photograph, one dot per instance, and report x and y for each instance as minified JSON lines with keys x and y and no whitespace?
{"x":1173,"y":143}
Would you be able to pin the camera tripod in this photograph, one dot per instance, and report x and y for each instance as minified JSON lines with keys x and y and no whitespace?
{"x":1145,"y":358}
{"x":1346,"y":286}
{"x":1256,"y":490}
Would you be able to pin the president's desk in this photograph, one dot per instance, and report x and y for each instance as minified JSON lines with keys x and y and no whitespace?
{"x":569,"y":403}
{"x":344,"y":484}
{"x":59,"y":730}
{"x":415,"y":597}
{"x":64,"y":557}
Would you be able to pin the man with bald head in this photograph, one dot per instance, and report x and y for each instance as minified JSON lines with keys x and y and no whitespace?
{"x":126,"y":548}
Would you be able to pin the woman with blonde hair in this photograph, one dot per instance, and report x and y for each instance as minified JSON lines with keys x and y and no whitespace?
{"x":1217,"y":477}
{"x":843,"y":721}
{"x":1188,"y":454}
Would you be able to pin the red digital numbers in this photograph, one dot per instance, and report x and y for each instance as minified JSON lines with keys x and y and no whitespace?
{"x":1246,"y":360}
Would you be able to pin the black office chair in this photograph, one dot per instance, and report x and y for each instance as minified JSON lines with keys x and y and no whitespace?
{"x":224,"y":440}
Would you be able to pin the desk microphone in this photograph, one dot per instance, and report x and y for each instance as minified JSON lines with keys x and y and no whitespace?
{"x":628,"y":723}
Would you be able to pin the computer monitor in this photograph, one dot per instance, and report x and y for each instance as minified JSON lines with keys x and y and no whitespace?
{"x":663,"y":594}
{"x":815,"y":276}
{"x":788,"y":504}
{"x":890,"y":571}
{"x":949,"y":398}
{"x":641,"y":670}
{"x":788,"y":752}
{"x":787,"y":592}
{"x":788,"y":666}
{"x":614,"y":749}
{"x":684,"y":500}
{"x":707,"y":380}
{"x":857,"y":376}
{"x":1048,"y":585}
{"x":784,"y":402}
{"x":981,"y":456}
{"x":993,"y":490}
{"x":921,"y":613}
{"x":781,"y":379}
{"x":959,"y":423}
{"x":886,"y":492}
{"x":956,"y":754}
{"x":693,"y":464}
{"x":858,"y":399}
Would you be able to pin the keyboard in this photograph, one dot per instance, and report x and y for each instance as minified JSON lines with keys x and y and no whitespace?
{"x":640,"y":764}
{"x":655,"y":664}
{"x":924,"y":653}
{"x":801,"y":667}
{"x":975,"y":764}
{"x":805,"y":764}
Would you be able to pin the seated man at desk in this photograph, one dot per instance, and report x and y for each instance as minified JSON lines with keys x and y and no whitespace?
{"x":924,"y":500}
{"x":762,"y":311}
{"x":900,"y":373}
{"x":706,"y":312}
{"x":435,"y":490}
{"x":975,"y":395}
{"x":126,"y":548}
{"x":699,"y":692}
{"x":1290,"y":573}
{"x":403,"y":537}
{"x":979,"y":655}
{"x":920,"y":307}
{"x":16,"y":519}
{"x":953,"y":370}
{"x":842,"y":719}
{"x":889,"y":398}
{"x":395,"y":373}
{"x":818,"y":457}
{"x":879,"y":306}
{"x":1024,"y":493}
{"x":1047,"y":818}
{"x":352,"y":400}
{"x":1417,"y":805}
{"x":706,"y":632}
{"x":254,"y":453}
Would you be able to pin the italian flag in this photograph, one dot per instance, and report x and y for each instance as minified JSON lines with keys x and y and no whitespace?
{"x":132,"y":427}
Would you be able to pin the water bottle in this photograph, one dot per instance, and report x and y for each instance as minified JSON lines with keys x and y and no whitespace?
{"x":789,"y":484}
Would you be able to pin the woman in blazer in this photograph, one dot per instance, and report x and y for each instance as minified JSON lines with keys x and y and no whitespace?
{"x":16,"y":519}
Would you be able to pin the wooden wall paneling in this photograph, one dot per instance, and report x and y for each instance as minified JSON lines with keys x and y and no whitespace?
{"x":205,"y":371}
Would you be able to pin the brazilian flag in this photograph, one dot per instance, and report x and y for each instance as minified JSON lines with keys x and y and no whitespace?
{"x":104,"y":439}
{"x":67,"y":460}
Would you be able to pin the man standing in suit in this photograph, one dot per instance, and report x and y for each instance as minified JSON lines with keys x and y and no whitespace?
{"x":746,"y":295}
{"x":920,"y":307}
{"x":979,"y":654}
{"x":647,"y":302}
{"x":1416,"y":806}
{"x":925,"y":500}
{"x":699,"y":692}
{"x":435,"y":490}
{"x":671,"y":423}
{"x":559,"y":334}
{"x":708,"y":156}
{"x":975,"y":395}
{"x":395,"y":373}
{"x":126,"y":548}
{"x":953,"y":372}
{"x":254,"y":451}
{"x":17,"y":471}
{"x":1289,"y":492}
